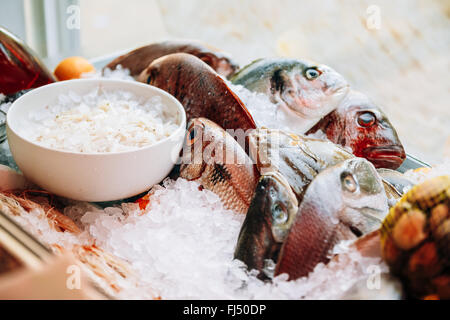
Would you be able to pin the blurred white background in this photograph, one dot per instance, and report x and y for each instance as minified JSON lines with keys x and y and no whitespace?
{"x":397,"y":52}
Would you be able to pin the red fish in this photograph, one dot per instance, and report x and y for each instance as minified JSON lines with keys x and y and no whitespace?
{"x":215,"y":160}
{"x":360,"y":125}
{"x":343,"y":202}
{"x":202,"y":92}
{"x":139,"y":59}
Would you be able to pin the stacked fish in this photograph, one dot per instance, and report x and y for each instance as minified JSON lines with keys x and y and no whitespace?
{"x":301,"y":195}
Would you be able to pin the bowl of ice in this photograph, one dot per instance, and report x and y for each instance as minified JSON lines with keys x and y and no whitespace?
{"x":96,"y":139}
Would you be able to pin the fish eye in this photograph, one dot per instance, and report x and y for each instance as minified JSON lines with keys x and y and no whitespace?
{"x":367,"y":119}
{"x":149,"y":79}
{"x":312,"y":73}
{"x":192,"y":135}
{"x":348,"y":182}
{"x":280,"y":215}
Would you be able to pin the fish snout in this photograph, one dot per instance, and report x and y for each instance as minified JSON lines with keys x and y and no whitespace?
{"x":388,"y":156}
{"x":333,"y":82}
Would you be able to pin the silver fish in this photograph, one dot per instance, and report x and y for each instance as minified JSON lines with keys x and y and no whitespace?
{"x":303,"y":91}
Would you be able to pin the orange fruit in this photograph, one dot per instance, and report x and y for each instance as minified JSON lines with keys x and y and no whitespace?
{"x":72,"y":68}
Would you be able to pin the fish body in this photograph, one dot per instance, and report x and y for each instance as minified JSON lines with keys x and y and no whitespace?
{"x":343,"y":202}
{"x":287,"y":163}
{"x":303,"y":91}
{"x":298,"y":158}
{"x":360,"y":125}
{"x":201,"y":91}
{"x":214,"y":159}
{"x":139,"y":59}
{"x":267,"y":223}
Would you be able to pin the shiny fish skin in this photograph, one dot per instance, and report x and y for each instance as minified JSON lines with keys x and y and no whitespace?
{"x":342,"y":203}
{"x":265,"y":229}
{"x":201,"y":91}
{"x":206,"y":160}
{"x":395,"y":184}
{"x":287,"y":163}
{"x":375,"y":140}
{"x":139,"y":59}
{"x":298,"y":158}
{"x":303,"y":91}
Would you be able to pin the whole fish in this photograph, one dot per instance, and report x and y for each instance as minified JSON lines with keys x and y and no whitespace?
{"x":287,"y":163}
{"x":343,"y":202}
{"x":201,"y":91}
{"x":303,"y":91}
{"x":139,"y":59}
{"x":213,"y":158}
{"x":358,"y":124}
{"x":267,"y":223}
{"x":298,"y":158}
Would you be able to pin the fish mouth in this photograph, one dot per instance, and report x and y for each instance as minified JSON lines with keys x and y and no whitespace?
{"x":341,"y":90}
{"x":390,"y":157}
{"x":282,"y":181}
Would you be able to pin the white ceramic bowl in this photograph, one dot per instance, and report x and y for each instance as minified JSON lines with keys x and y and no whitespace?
{"x":92,"y":177}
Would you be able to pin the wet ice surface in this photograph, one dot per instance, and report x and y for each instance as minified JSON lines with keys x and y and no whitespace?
{"x":264,"y":112}
{"x":118,"y":74}
{"x":182,"y":247}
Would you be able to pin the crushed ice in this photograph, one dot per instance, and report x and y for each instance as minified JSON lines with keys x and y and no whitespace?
{"x":182,"y":247}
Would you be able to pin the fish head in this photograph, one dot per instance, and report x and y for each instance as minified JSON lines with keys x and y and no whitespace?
{"x":343,"y":202}
{"x":203,"y":137}
{"x":155,"y":70}
{"x":310,"y":90}
{"x":215,"y":160}
{"x":351,"y":193}
{"x":364,"y":202}
{"x":365,"y":129}
{"x":267,"y":223}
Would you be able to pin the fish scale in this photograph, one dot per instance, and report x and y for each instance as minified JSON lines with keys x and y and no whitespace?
{"x":191,"y":81}
{"x":233,"y":181}
{"x":331,"y":212}
{"x":298,"y":158}
{"x":310,"y":246}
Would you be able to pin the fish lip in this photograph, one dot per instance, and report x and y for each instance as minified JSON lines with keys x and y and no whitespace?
{"x":282,"y":180}
{"x":343,"y":89}
{"x":391,"y":156}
